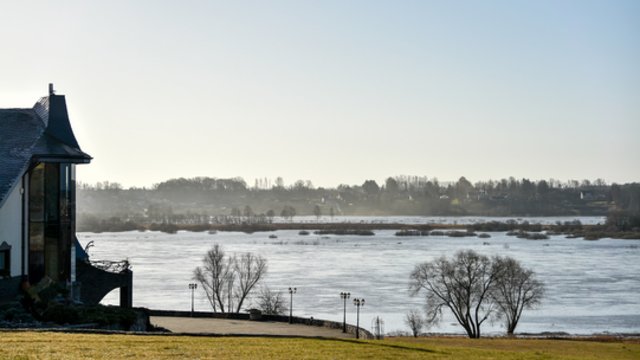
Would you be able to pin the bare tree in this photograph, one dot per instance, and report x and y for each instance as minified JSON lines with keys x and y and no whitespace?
{"x":271,"y":302}
{"x":415,"y":322}
{"x":461,"y":284}
{"x":249,"y":269}
{"x":214,"y":276}
{"x":516,"y":289}
{"x":227,"y":278}
{"x":288,"y":212}
{"x":271,"y":214}
{"x":317,"y":211}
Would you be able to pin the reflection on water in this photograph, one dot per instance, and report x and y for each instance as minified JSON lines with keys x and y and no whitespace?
{"x":592,"y":286}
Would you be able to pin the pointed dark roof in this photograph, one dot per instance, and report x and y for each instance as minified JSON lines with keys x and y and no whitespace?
{"x":53,"y":110}
{"x":42,"y":133}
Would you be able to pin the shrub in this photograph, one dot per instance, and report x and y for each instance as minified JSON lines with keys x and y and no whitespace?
{"x":102,"y":315}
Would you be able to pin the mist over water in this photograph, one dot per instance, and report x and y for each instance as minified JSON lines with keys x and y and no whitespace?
{"x":592,"y":286}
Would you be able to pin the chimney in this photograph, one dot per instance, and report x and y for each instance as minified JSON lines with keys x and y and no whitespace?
{"x":51,"y":92}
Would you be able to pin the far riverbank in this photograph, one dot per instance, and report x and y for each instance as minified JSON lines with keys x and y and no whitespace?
{"x":572,"y":229}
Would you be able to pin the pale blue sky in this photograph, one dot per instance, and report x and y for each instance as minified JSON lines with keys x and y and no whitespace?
{"x":335,"y":91}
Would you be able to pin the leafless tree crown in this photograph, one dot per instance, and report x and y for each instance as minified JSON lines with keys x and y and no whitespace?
{"x":228,"y":280}
{"x":476,"y":288}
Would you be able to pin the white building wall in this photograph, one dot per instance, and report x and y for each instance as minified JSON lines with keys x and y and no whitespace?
{"x":11,"y":227}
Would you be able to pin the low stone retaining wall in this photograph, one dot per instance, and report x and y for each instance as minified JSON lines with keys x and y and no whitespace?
{"x":351,"y":329}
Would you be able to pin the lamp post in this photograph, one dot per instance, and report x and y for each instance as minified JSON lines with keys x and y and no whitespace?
{"x":291,"y":292}
{"x":344,"y":296}
{"x":358,"y":303}
{"x":193,"y":287}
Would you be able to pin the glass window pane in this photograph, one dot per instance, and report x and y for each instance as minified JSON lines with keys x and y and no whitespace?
{"x":65,"y":192}
{"x":51,"y":251}
{"x":52,"y":191}
{"x":64,"y":251}
{"x":36,"y":193}
{"x":36,"y":252}
{"x":36,"y":237}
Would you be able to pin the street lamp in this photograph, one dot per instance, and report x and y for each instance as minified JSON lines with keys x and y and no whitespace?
{"x":358,"y":303}
{"x":291,"y":292}
{"x":193,"y":287}
{"x":344,"y":296}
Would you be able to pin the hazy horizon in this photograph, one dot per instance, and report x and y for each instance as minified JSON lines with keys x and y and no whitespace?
{"x":335,"y":92}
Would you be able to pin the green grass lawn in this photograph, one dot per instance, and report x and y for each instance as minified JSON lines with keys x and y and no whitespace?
{"x":50,"y":345}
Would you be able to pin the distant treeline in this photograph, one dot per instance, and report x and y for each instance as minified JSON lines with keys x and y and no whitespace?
{"x":204,"y":200}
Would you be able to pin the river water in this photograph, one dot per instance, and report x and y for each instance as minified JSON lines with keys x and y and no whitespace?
{"x":592,"y":286}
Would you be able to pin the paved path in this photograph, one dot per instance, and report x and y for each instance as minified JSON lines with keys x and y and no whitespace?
{"x":225,"y":326}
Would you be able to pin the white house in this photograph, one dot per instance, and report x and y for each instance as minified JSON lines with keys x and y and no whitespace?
{"x":38,"y":155}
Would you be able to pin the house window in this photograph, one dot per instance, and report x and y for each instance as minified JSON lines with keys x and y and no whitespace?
{"x":51,"y":223}
{"x":5,"y":260}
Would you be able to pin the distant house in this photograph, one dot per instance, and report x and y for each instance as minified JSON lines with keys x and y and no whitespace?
{"x":38,"y":155}
{"x":592,"y":195}
{"x":586,"y":195}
